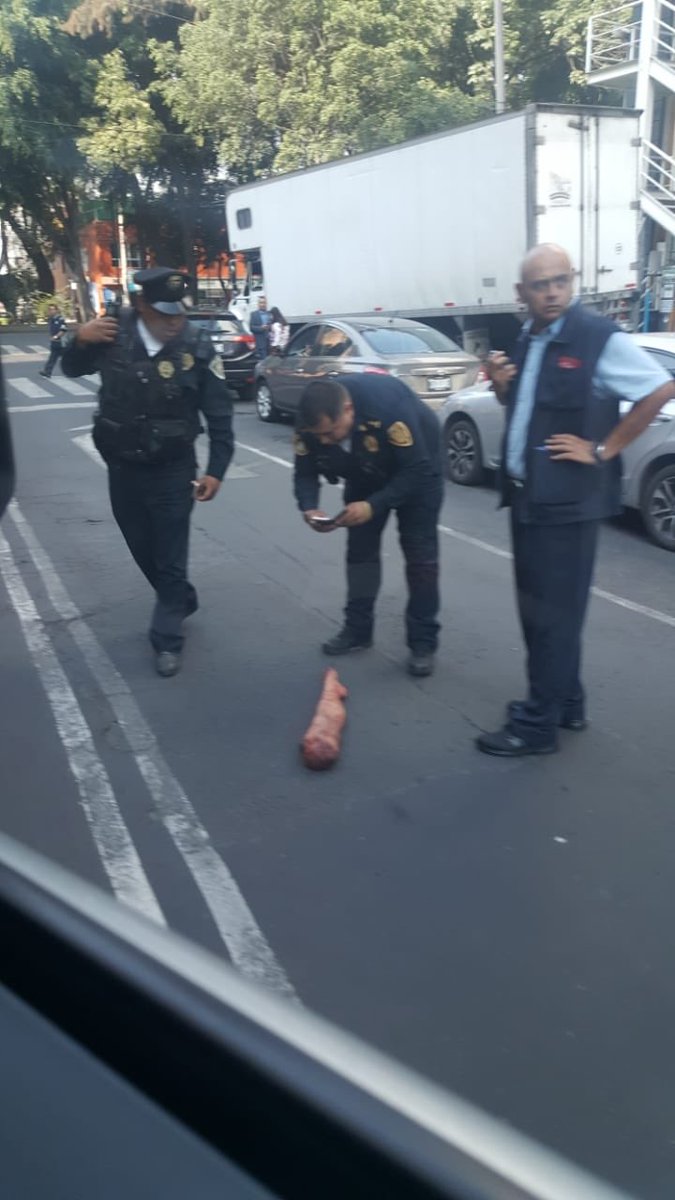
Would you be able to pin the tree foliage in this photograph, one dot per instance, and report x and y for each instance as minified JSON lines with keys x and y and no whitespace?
{"x":160,"y":105}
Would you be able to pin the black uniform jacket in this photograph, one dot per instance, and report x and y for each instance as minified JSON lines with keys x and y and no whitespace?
{"x":205,"y":384}
{"x":395,"y":453}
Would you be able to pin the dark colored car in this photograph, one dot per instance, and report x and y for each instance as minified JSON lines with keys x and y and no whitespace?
{"x":426,"y":360}
{"x":235,"y":345}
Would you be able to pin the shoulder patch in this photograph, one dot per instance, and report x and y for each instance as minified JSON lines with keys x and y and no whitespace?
{"x":300,"y":446}
{"x":371,"y":443}
{"x":216,"y":367}
{"x":398,"y":434}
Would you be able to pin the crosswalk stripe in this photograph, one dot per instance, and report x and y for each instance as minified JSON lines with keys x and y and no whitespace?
{"x":38,"y":349}
{"x":70,"y":385}
{"x":7,"y":350}
{"x":28,"y":387}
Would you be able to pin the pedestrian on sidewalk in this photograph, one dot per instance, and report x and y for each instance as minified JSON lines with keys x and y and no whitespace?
{"x":561,"y":475}
{"x":260,"y":323}
{"x":57,"y":327}
{"x":157,"y":374}
{"x":279,"y":331}
{"x":377,"y":435}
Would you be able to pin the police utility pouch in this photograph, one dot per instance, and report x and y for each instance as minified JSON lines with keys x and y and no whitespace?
{"x":143,"y":440}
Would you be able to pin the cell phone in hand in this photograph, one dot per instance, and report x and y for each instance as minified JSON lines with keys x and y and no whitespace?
{"x":325,"y":522}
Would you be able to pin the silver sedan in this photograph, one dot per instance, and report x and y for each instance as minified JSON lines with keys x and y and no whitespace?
{"x":472,"y":421}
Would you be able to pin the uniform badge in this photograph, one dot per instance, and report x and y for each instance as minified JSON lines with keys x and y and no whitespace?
{"x":399,"y":434}
{"x":299,"y":446}
{"x":188,"y":362}
{"x":165,"y":368}
{"x":216,"y":367}
{"x":371,"y":443}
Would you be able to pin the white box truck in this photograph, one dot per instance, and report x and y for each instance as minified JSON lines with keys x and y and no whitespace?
{"x":435,"y":228}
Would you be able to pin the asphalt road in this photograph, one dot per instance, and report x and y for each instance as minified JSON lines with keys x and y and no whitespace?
{"x":504,"y":927}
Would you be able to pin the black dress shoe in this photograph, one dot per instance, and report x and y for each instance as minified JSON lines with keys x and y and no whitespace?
{"x":506,"y":744}
{"x":420,"y":663}
{"x":576,"y":724}
{"x":167,"y":664}
{"x":345,"y":642}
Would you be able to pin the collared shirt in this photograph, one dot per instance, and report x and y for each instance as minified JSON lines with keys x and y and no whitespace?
{"x":148,"y":339}
{"x":623,"y":370}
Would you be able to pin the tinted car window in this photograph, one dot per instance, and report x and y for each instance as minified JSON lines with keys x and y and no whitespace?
{"x":390,"y":340}
{"x":333,"y":342}
{"x":303,"y":342}
{"x":217,"y":324}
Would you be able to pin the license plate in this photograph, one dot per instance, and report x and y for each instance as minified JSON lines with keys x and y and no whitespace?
{"x":442,"y":384}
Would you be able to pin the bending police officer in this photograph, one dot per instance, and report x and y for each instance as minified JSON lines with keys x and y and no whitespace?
{"x":372,"y":431}
{"x":157,"y":373}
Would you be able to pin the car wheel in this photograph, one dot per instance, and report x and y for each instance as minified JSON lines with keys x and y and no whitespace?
{"x":265,"y":406}
{"x":658,"y":507}
{"x":463,"y":453}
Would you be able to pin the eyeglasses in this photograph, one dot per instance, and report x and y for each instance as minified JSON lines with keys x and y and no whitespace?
{"x":543,"y":285}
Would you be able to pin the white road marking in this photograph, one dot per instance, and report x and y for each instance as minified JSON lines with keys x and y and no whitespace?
{"x":236,"y":924}
{"x":84,"y":441}
{"x":282,"y":462}
{"x":71,"y":385}
{"x":653,"y":614}
{"x":472,"y":541}
{"x":79,"y":428}
{"x":109,"y":832}
{"x":28,"y":387}
{"x":8,"y":350}
{"x":38,"y":349}
{"x":21,"y":408}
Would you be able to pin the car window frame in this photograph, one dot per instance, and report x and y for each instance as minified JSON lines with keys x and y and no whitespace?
{"x":364,"y":330}
{"x":291,"y":353}
{"x":352,"y":352}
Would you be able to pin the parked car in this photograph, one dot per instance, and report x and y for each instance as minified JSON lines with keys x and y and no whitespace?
{"x":473,"y":423}
{"x":235,"y":345}
{"x":428,"y":361}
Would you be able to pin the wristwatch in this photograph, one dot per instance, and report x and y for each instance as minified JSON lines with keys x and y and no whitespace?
{"x":599,"y":453}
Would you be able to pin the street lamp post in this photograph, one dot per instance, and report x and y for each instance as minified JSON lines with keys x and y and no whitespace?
{"x":121,"y":238}
{"x":500,"y":103}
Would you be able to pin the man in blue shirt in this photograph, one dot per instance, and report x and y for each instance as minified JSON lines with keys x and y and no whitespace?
{"x":57,"y":328}
{"x":261,"y":321}
{"x":561,"y":476}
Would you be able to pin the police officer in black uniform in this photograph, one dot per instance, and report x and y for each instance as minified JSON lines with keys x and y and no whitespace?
{"x":372,"y":431}
{"x":157,"y":373}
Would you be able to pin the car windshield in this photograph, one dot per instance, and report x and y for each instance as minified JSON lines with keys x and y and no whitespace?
{"x":390,"y":340}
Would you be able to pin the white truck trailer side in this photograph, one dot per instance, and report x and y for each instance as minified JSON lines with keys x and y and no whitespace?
{"x":437,"y":227}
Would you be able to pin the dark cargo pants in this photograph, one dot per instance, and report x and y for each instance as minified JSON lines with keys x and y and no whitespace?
{"x":152,"y":506}
{"x":418,"y":538}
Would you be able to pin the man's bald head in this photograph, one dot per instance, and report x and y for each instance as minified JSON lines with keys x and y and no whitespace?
{"x":546,"y":279}
{"x":545,"y":257}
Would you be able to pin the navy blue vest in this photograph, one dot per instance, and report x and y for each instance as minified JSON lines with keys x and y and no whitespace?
{"x":557,"y":493}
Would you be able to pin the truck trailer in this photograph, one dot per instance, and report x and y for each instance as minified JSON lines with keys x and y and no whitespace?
{"x":435,"y":228}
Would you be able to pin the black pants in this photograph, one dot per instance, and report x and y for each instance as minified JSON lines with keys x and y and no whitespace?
{"x":418,"y":537}
{"x":55,"y":352}
{"x":152,"y":506}
{"x":553,"y":574}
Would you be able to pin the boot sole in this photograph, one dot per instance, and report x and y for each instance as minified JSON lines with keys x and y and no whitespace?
{"x":528,"y":753}
{"x":348,"y":649}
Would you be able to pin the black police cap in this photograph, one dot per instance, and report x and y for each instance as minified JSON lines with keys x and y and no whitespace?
{"x":164,"y":288}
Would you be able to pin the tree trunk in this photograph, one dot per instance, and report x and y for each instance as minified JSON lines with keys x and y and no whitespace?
{"x":73,"y":254}
{"x":30,"y":244}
